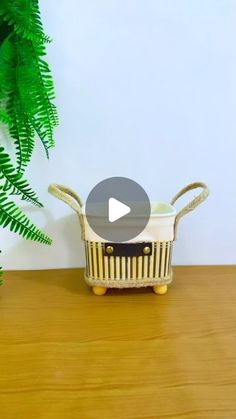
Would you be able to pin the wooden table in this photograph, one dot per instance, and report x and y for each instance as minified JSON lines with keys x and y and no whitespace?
{"x":67,"y":354}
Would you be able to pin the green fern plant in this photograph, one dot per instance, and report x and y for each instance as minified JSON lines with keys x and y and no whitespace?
{"x":26,"y":107}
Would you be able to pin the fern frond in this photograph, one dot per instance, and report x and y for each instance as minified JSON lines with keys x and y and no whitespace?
{"x":27,"y":85}
{"x":14,"y":183}
{"x":26,"y":106}
{"x":29,"y":88}
{"x":4,"y":117}
{"x":7,"y":64}
{"x":5,"y":30}
{"x":37,"y":91}
{"x":20,"y":128}
{"x":18,"y":222}
{"x":24,"y":17}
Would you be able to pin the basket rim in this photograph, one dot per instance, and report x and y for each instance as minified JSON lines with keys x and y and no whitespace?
{"x":171,"y":213}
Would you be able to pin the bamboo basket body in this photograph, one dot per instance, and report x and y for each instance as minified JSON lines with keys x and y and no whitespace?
{"x":143,"y":261}
{"x":128,"y":271}
{"x":131,"y":267}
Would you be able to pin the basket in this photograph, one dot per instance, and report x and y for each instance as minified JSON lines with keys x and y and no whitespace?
{"x":140,"y":262}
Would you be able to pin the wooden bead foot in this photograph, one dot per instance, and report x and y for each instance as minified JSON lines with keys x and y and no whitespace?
{"x":99,"y":290}
{"x":160,"y":289}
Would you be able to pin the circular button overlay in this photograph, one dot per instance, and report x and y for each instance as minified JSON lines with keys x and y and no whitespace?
{"x":117,"y":209}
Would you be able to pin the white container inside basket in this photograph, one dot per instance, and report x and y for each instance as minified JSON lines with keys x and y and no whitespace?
{"x":160,"y":226}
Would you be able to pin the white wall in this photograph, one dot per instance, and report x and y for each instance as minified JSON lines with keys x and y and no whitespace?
{"x":145,"y":89}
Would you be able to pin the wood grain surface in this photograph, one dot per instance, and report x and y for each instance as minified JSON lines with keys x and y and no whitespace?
{"x":66,"y":353}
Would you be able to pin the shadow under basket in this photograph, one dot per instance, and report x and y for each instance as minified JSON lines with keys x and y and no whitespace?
{"x":141,"y":262}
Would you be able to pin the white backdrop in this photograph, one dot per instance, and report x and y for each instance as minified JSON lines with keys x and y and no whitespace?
{"x":147,"y":90}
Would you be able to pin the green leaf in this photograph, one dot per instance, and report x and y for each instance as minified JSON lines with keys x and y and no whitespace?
{"x":27,"y":85}
{"x":11,"y":216}
{"x":26,"y":106}
{"x":4,"y":118}
{"x":14,"y":183}
{"x":37,"y":91}
{"x":20,"y":128}
{"x":24,"y":16}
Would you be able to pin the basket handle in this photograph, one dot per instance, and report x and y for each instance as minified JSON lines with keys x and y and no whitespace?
{"x":66,"y":195}
{"x":193,"y":204}
{"x":71,"y":198}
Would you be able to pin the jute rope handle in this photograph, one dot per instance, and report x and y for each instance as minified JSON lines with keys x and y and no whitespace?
{"x":193,"y":204}
{"x":69,"y":197}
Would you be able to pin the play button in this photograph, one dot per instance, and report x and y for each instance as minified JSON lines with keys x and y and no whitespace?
{"x":117,"y":209}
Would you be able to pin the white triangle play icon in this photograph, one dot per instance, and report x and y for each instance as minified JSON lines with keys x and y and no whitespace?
{"x":116,"y":210}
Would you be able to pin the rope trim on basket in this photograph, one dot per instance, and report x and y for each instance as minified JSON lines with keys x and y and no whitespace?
{"x":131,"y":283}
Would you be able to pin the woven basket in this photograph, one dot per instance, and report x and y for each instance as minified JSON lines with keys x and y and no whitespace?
{"x":141,"y":262}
